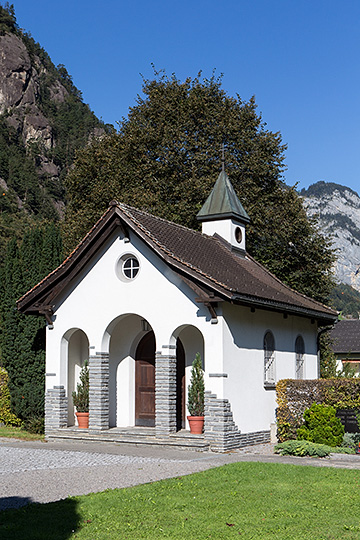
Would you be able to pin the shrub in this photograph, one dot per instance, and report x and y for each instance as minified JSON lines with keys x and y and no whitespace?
{"x":307,"y":448}
{"x":6,"y":416}
{"x":351,"y":441}
{"x":321,"y":426}
{"x":35,"y":425}
{"x":302,"y":448}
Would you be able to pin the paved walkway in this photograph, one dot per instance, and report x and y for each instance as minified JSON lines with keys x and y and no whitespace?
{"x":44,"y":472}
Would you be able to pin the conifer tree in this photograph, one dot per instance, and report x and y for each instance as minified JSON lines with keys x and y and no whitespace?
{"x":22,"y":338}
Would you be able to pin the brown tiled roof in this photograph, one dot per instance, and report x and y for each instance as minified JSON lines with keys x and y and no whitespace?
{"x":203,"y":259}
{"x":345,"y":336}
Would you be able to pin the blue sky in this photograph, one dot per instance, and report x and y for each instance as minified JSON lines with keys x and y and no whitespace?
{"x":300,"y":58}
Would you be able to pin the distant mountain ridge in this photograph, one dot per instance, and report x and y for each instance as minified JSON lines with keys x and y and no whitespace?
{"x":337,"y":208}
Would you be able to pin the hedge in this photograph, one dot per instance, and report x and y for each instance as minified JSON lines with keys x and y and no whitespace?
{"x":295,"y":396}
{"x":6,"y":416}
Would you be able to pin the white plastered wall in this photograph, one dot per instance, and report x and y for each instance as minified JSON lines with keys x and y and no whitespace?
{"x":226,"y":229}
{"x":252,"y":404}
{"x":110,"y":312}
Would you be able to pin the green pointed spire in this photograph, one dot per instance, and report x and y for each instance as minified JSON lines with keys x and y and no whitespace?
{"x":223,"y":202}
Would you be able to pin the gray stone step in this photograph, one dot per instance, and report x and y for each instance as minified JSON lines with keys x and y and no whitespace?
{"x":137,"y":436}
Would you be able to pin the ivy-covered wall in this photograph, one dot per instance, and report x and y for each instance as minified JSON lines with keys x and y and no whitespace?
{"x":295,"y":396}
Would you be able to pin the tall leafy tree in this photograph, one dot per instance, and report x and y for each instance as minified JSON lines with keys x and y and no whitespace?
{"x":166,"y":158}
{"x":22,"y":338}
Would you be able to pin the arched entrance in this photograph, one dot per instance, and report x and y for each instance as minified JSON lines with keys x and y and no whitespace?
{"x":180,"y":386}
{"x":74,"y":353}
{"x":188,"y":341}
{"x":145,"y":381}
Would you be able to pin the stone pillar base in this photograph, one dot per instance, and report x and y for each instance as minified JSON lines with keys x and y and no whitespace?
{"x":55,"y":409}
{"x":165,"y":394}
{"x":99,"y":391}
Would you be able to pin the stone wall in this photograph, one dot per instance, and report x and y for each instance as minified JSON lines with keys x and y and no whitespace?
{"x":220,"y":429}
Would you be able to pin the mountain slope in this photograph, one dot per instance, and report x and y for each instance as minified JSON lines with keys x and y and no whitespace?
{"x":338,"y":211}
{"x":43,"y":121}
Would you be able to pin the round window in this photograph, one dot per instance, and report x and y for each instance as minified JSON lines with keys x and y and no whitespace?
{"x":238,"y":235}
{"x":130,"y":267}
{"x":127,"y":267}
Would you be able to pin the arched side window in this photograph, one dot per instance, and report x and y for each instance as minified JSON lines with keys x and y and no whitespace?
{"x":299,"y":358}
{"x":269,"y":359}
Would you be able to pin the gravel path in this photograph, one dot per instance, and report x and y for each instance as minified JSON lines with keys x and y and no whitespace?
{"x":13,"y":460}
{"x":45,"y":472}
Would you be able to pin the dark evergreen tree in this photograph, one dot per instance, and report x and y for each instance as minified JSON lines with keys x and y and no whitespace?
{"x":22,"y":337}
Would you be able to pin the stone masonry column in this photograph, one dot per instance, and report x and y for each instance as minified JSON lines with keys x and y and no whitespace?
{"x":99,"y":391}
{"x":55,"y":409}
{"x":165,"y":392}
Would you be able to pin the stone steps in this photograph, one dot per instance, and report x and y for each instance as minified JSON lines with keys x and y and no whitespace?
{"x":137,"y":436}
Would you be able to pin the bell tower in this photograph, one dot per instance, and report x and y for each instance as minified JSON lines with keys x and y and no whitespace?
{"x":223,"y":214}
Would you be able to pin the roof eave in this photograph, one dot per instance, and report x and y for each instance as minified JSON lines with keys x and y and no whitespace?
{"x":224,"y":215}
{"x":321,"y":316}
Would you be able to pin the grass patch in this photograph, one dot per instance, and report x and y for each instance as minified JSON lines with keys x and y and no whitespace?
{"x":251,"y":500}
{"x":19,"y":433}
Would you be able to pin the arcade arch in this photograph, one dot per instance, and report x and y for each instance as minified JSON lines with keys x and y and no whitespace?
{"x":75,"y":351}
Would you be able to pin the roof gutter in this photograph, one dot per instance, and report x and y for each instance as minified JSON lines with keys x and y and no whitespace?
{"x":281,"y":307}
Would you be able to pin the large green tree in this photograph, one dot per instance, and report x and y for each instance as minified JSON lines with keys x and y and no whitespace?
{"x":166,"y":158}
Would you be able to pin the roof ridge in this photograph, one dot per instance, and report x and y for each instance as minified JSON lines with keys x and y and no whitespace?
{"x":168,"y":252}
{"x":147,"y":213}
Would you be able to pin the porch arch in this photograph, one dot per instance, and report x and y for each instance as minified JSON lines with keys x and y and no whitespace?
{"x":187,"y":340}
{"x":74,"y":353}
{"x":121,"y":339}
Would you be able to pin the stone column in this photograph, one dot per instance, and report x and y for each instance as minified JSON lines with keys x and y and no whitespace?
{"x":165,"y":393}
{"x":99,"y":391}
{"x":55,"y":409}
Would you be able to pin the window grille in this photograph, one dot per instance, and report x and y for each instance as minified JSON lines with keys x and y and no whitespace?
{"x":299,"y":358}
{"x":131,"y":267}
{"x":269,"y":359}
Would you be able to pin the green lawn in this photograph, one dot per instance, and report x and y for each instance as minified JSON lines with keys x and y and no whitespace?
{"x":246,"y":500}
{"x":19,"y":433}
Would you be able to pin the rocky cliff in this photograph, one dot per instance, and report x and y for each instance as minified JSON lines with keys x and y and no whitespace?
{"x":20,"y":96}
{"x":338,"y":210}
{"x":42,"y":122}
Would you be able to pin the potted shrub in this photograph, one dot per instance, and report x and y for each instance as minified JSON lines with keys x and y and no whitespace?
{"x":81,"y":397}
{"x":196,"y":390}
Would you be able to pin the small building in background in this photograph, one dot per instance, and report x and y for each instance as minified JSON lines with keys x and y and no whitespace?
{"x":345,"y":343}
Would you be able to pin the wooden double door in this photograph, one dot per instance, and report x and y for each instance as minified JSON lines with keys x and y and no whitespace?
{"x":145,"y":382}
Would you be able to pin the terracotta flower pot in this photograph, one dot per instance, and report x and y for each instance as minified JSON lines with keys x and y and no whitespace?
{"x":83,"y":419}
{"x":196,"y":424}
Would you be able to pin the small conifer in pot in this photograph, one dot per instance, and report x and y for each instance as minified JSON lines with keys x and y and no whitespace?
{"x":81,"y":396}
{"x":196,"y":391}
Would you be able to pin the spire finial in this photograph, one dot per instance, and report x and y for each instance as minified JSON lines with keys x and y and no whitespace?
{"x":223,"y":157}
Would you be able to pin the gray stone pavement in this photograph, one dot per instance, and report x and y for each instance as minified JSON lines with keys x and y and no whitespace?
{"x":43,"y":472}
